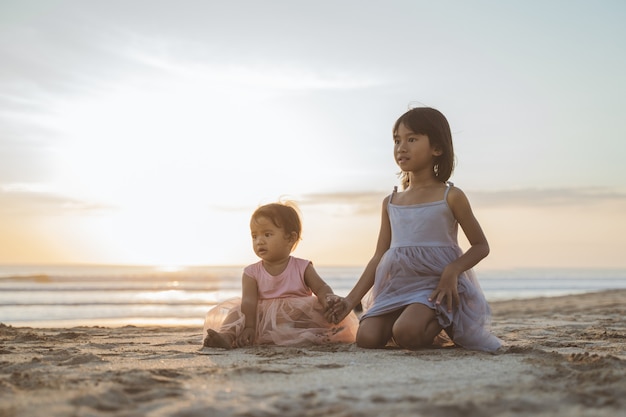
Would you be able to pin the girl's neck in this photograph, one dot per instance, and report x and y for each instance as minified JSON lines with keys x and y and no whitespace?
{"x":417,"y":182}
{"x":276,"y":267}
{"x":421,"y":190}
{"x":422,"y":186}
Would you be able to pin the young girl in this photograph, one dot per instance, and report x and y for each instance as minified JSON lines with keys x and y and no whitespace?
{"x":422,"y":281}
{"x":277,"y":304}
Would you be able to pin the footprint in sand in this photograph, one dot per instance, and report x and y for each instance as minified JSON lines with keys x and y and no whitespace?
{"x":81,"y":359}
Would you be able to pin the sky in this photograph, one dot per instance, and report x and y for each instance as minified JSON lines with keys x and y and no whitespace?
{"x":147,"y":132}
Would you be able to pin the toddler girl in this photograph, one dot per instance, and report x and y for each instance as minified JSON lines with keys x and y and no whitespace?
{"x":284,"y":301}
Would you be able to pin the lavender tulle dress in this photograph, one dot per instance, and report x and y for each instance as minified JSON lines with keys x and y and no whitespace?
{"x":423,"y":242}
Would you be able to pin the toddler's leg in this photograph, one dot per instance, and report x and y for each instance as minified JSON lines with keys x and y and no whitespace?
{"x":220,"y":340}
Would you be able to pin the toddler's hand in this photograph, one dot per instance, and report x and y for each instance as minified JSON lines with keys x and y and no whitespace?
{"x":246,"y":338}
{"x":339,"y":310}
{"x":331,"y":300}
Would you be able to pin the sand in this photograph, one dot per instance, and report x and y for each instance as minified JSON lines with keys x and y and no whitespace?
{"x":565,"y":356}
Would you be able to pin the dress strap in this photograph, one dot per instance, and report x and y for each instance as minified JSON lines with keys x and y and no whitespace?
{"x":449,"y":184}
{"x":395,"y":190}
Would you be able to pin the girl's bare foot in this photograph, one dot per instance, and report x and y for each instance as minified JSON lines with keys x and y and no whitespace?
{"x":215,"y":339}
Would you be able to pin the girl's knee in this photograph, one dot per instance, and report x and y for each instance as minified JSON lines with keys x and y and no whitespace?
{"x":369,"y":341}
{"x":411,"y":341}
{"x":417,"y":328}
{"x":410,"y":337}
{"x":374,"y":332}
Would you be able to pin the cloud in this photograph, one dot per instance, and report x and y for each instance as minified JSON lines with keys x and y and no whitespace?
{"x":37,"y":199}
{"x":537,"y":197}
{"x":346,"y":203}
{"x":369,"y":202}
{"x":242,"y":79}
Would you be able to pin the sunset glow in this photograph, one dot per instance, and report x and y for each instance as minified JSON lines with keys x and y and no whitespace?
{"x":136,"y":138}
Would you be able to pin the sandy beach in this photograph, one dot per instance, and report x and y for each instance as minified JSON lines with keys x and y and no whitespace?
{"x":565,"y":356}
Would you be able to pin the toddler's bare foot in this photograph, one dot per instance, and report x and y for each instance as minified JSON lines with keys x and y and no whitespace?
{"x":215,"y":339}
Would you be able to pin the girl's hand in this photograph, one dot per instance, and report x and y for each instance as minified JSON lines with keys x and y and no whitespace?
{"x":246,"y":338}
{"x":339,"y":310}
{"x":330,"y":301}
{"x":446,"y":290}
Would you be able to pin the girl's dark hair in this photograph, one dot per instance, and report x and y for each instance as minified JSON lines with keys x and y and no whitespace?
{"x":283,"y":215}
{"x":432,"y":123}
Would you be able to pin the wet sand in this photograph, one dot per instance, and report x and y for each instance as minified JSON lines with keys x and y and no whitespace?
{"x":565,"y":356}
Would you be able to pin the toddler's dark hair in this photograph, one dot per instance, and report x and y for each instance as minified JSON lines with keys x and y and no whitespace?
{"x":283,"y":215}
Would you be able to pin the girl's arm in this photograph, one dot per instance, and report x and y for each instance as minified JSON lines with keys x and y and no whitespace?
{"x":319,"y":287}
{"x":479,"y":249}
{"x":366,"y":281}
{"x":249,"y":300}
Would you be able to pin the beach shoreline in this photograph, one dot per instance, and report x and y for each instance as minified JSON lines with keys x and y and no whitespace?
{"x":564,"y":356}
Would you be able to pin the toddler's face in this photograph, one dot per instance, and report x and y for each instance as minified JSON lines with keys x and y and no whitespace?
{"x":269,"y":241}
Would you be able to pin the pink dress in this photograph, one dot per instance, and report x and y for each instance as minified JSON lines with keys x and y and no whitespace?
{"x":423,"y":242}
{"x":288,"y":313}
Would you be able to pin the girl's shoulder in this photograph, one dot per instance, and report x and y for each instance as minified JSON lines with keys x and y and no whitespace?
{"x":253,"y":270}
{"x":300,"y":263}
{"x":454,"y":191}
{"x":456,"y":198}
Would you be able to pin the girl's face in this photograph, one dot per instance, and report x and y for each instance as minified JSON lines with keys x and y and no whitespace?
{"x":413,"y":151}
{"x":269,"y":241}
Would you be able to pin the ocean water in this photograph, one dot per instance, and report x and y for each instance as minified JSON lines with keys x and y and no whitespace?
{"x":54,"y":296}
